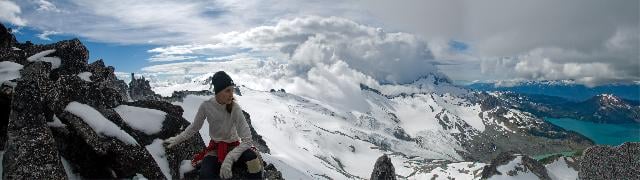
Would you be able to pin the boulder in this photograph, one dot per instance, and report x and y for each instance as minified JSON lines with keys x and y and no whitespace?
{"x":31,"y":152}
{"x":383,"y":169}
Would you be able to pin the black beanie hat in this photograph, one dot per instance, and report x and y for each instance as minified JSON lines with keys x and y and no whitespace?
{"x":221,"y":80}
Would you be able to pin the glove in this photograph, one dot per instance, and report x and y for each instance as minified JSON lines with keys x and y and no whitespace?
{"x":170,"y":142}
{"x":225,"y":170}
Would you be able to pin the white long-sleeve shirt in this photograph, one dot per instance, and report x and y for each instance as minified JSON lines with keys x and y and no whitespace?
{"x":223,"y":126}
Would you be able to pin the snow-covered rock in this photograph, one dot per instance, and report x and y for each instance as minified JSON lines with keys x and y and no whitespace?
{"x":85,"y":76}
{"x":55,"y":61}
{"x":9,"y":71}
{"x":146,"y":120}
{"x":99,"y":123}
{"x":514,"y":166}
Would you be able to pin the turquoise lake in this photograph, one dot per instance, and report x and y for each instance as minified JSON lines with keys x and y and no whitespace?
{"x":608,"y":134}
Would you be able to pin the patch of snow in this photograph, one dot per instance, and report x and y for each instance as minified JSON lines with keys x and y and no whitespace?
{"x":15,"y":49}
{"x":559,"y":169}
{"x":157,"y":151}
{"x":517,"y":166}
{"x":39,"y":55}
{"x":139,"y":177}
{"x":146,"y":120}
{"x":55,"y":61}
{"x":56,"y":122}
{"x":99,"y":123}
{"x":460,"y":170}
{"x":9,"y":70}
{"x":85,"y":76}
{"x":10,"y":84}
{"x":69,"y":170}
{"x":185,"y":166}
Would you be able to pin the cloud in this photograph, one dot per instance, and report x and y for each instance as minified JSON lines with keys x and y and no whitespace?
{"x":45,"y":35}
{"x":615,"y":61}
{"x":304,"y":43}
{"x":321,"y":58}
{"x":163,"y":22}
{"x":44,"y":5}
{"x":185,"y":52}
{"x":501,"y":28}
{"x":9,"y":12}
{"x":515,"y":30}
{"x":164,"y":58}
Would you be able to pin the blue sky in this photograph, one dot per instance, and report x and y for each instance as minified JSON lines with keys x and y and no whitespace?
{"x":590,"y":41}
{"x":127,"y":58}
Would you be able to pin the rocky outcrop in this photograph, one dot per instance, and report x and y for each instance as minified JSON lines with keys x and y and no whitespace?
{"x":105,"y":76}
{"x":139,"y":89}
{"x":178,"y":96}
{"x":383,"y":169}
{"x":603,"y":162}
{"x":31,"y":152}
{"x":41,"y":133}
{"x":514,"y":165}
{"x":7,"y":40}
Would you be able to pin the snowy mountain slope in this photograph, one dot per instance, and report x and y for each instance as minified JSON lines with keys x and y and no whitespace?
{"x":418,"y":125}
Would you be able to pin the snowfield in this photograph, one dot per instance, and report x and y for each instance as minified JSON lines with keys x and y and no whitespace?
{"x":311,"y":139}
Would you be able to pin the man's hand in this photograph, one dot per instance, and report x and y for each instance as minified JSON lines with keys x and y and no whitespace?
{"x":170,"y":142}
{"x":225,"y":170}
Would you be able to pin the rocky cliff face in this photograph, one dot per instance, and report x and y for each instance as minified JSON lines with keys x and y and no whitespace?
{"x":139,"y":89}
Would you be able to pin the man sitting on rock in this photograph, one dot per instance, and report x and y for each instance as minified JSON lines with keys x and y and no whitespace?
{"x":230,"y":134}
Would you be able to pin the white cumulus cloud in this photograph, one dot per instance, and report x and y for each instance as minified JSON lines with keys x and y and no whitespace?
{"x":9,"y":12}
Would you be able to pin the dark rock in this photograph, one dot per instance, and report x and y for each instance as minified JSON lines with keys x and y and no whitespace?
{"x":383,"y":169}
{"x":82,"y":157}
{"x":125,"y":160}
{"x":72,"y":53}
{"x":139,"y":89}
{"x":7,"y":40}
{"x":31,"y":152}
{"x":526,"y":165}
{"x":6,"y":93}
{"x":158,"y":105}
{"x":105,"y":76}
{"x":237,"y":91}
{"x":603,"y":162}
{"x":70,"y":88}
{"x":178,"y":96}
{"x":270,"y":172}
{"x":399,"y":133}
